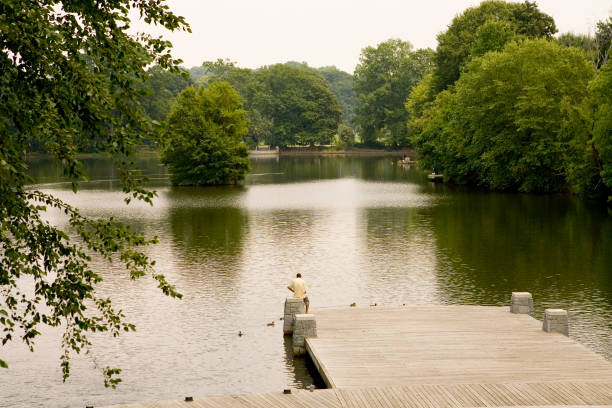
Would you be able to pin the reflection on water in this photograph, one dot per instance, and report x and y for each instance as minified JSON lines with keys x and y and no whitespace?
{"x":559,"y":249}
{"x":205,"y":223}
{"x":358,"y":229}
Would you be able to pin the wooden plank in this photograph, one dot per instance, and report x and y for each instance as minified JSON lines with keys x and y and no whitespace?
{"x":414,"y":396}
{"x":445,"y":345}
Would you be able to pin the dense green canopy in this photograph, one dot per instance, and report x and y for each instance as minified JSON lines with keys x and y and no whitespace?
{"x":509,"y":120}
{"x":203,"y":144}
{"x":486,"y":28}
{"x":287,"y":104}
{"x":161,"y":88}
{"x":383,"y":80}
{"x":300,"y":104}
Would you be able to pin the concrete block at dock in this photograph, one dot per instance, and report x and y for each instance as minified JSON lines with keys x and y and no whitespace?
{"x":293,"y":306}
{"x":305,"y":326}
{"x":521,"y":302}
{"x":556,"y":321}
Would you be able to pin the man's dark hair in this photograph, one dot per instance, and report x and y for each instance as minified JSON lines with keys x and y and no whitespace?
{"x":299,"y":275}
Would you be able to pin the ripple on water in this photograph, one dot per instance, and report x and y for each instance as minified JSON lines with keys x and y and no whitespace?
{"x":359,"y":230}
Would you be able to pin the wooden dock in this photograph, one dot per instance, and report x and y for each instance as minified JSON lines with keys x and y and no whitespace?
{"x":365,"y":347}
{"x":415,"y":396}
{"x":436,"y":356}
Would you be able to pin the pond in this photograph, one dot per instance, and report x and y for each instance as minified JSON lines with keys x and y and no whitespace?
{"x":359,"y":229}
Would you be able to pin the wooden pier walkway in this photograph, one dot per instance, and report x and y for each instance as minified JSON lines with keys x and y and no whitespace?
{"x":436,"y":356}
{"x":415,"y":396}
{"x":365,"y":347}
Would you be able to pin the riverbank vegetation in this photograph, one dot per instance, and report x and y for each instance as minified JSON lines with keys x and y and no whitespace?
{"x":508,"y":107}
{"x":540,"y":126}
{"x":504,"y":102}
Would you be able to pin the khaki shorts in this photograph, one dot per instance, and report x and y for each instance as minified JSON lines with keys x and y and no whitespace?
{"x":306,"y":301}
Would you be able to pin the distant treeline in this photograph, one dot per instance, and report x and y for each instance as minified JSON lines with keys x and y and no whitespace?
{"x":502,"y":102}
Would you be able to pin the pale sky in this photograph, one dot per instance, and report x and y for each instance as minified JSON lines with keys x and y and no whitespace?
{"x":331,"y":32}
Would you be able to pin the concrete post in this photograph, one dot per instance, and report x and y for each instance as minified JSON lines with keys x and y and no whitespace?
{"x":521,"y":302}
{"x":293,"y":306}
{"x":555,"y":320}
{"x":305,"y":326}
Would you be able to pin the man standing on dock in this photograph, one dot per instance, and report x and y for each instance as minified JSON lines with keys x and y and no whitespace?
{"x":298,"y":287}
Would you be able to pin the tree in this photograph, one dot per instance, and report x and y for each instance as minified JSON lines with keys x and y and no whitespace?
{"x":245,"y":82}
{"x":603,"y":41}
{"x":466,"y":32}
{"x":70,"y":69}
{"x":161,"y":88}
{"x":602,"y":129}
{"x":426,"y":121}
{"x":341,"y":84}
{"x":581,"y":41}
{"x":590,"y":156}
{"x":203,"y":145}
{"x":383,"y":79}
{"x":346,"y":135}
{"x":509,"y":121}
{"x":299,"y":103}
{"x":597,"y":48}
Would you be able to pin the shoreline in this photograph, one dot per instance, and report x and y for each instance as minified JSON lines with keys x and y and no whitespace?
{"x":329,"y":152}
{"x":262,"y":153}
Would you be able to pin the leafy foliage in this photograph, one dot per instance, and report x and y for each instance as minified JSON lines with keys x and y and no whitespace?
{"x":603,"y":42}
{"x":346,"y":135}
{"x":287,"y":104}
{"x":491,"y":24}
{"x":383,"y":80}
{"x":299,"y":103}
{"x":161,"y":88}
{"x":203,"y":145}
{"x":341,"y":84}
{"x":590,"y":159}
{"x":247,"y":85}
{"x":509,"y":120}
{"x":602,"y":130}
{"x":597,"y":48}
{"x":70,"y":70}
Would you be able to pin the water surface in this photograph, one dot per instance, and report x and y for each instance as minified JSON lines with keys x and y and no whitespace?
{"x":359,"y":230}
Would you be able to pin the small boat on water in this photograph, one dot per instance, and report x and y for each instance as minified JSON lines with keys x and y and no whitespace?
{"x":406,"y":161}
{"x":436,"y":178}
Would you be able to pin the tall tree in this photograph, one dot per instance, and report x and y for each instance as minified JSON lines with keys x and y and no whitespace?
{"x":300,"y":104}
{"x":603,"y":41}
{"x":203,"y":145}
{"x":602,"y":129}
{"x":68,"y":69}
{"x":455,"y":45}
{"x":383,"y":80}
{"x":341,"y":84}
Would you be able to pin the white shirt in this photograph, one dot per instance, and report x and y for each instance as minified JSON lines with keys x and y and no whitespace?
{"x":299,"y":288}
